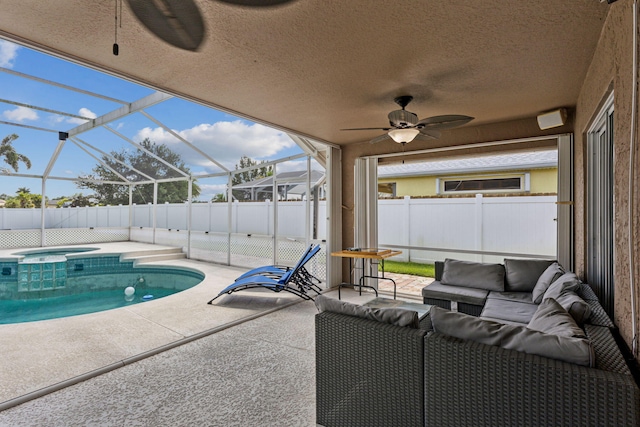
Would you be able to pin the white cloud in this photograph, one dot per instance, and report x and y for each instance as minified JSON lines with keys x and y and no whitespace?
{"x":69,"y":172}
{"x":224,"y":141}
{"x":20,"y":114}
{"x":8,"y":53}
{"x":84,"y":112}
{"x":209,"y":191}
{"x":57,"y":118}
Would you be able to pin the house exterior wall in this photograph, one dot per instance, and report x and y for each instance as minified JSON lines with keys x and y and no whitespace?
{"x":611,"y":69}
{"x":542,"y":181}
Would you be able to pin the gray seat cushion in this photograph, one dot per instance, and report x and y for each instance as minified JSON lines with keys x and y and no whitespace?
{"x":551,"y":318}
{"x":512,"y":296}
{"x":522,"y":274}
{"x":514,"y":311}
{"x":392,"y":316}
{"x":519,"y":338}
{"x":503,"y":321}
{"x":455,"y":293}
{"x":473,"y":275}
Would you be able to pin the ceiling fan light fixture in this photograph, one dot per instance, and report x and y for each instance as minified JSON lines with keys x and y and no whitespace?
{"x":403,"y":136}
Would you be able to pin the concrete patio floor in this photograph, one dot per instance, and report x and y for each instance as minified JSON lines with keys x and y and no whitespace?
{"x":247,"y":360}
{"x":40,"y":354}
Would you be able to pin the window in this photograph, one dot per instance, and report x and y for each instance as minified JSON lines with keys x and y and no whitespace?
{"x":386,"y":190}
{"x":493,"y":184}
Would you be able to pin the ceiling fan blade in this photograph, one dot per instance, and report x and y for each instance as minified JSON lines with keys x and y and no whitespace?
{"x":427,"y":135}
{"x":256,"y":3}
{"x":381,"y":138}
{"x":443,"y":122}
{"x":177,"y":22}
{"x":367,"y":129}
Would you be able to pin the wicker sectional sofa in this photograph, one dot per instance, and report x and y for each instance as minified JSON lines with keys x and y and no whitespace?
{"x":371,"y":371}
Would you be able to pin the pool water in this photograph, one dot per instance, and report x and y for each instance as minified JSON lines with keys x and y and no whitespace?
{"x":47,"y":285}
{"x":28,"y":310}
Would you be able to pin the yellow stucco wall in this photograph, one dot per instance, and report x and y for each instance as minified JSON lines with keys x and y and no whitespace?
{"x":541,"y":181}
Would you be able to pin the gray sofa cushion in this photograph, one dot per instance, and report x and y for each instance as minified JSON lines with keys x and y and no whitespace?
{"x":473,"y":275}
{"x":522,"y":274}
{"x":519,"y":338}
{"x":578,"y":308}
{"x":550,"y":275}
{"x":503,"y":321}
{"x":512,"y":296}
{"x":455,"y":293}
{"x":513,"y":311}
{"x":567,"y":282}
{"x":392,"y":316}
{"x":551,"y":318}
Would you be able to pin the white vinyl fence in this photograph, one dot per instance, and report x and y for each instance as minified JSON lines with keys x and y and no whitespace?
{"x":516,"y":225}
{"x":519,"y":225}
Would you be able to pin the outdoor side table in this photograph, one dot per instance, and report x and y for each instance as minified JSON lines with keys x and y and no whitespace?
{"x":371,"y":255}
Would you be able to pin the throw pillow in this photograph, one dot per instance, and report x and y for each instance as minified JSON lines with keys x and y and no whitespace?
{"x":578,"y":308}
{"x":519,"y":338}
{"x":473,"y":275}
{"x":550,"y":275}
{"x":392,"y":316}
{"x":522,"y":274}
{"x":551,"y":318}
{"x":567,"y":282}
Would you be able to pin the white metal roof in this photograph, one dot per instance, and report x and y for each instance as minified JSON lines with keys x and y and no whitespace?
{"x":501,"y":162}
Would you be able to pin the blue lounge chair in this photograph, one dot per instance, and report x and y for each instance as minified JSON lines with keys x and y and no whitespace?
{"x":276,"y":271}
{"x":295,"y":280}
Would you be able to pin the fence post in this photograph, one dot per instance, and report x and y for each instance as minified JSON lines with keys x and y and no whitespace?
{"x":166,"y":215}
{"x":478,"y":224}
{"x":267,"y":204}
{"x":406,"y":215}
{"x":236,"y":203}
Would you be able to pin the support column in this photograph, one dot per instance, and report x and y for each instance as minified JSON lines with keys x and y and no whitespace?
{"x":155,"y":210}
{"x":189,"y":209}
{"x":43,"y":205}
{"x":334,"y":215}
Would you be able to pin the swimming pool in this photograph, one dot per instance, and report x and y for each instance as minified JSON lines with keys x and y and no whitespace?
{"x":50,"y":288}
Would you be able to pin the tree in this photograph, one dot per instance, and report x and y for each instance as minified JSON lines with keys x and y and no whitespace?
{"x":23,"y":190}
{"x":11,"y":156}
{"x":248,"y":176}
{"x":114,"y":194}
{"x":24,"y":200}
{"x":77,"y":200}
{"x":220,"y":197}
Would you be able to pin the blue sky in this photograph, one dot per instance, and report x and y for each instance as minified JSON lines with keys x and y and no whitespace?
{"x":224,"y":137}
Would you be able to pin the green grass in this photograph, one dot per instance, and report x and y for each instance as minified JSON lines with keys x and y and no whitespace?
{"x":413,"y":268}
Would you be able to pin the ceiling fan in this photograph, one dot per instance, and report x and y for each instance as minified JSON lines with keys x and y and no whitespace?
{"x":180,"y":22}
{"x":405,"y":126}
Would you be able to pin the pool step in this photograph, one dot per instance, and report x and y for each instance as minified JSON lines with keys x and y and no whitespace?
{"x":152,"y":258}
{"x":141,"y":257}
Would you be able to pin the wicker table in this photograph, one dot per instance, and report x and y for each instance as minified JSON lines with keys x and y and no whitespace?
{"x":371,"y":255}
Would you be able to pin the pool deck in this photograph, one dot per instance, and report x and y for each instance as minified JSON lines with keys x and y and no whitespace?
{"x":45,"y":355}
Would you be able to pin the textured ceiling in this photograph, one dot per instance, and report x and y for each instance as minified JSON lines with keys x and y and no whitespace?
{"x":316,"y":66}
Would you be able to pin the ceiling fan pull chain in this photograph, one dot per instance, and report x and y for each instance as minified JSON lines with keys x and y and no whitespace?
{"x":116,"y":48}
